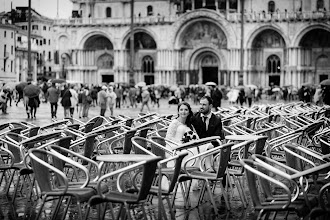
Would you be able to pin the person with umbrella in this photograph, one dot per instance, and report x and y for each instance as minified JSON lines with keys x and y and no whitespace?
{"x":31,"y":92}
{"x":19,"y":88}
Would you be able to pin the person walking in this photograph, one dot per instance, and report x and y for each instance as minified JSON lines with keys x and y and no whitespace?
{"x":80,"y":103}
{"x":86,"y":101}
{"x":111,"y":99}
{"x":241,"y":96}
{"x":73,"y":99}
{"x":102,"y":97}
{"x":53,"y":95}
{"x":65,"y":101}
{"x":157,"y":96}
{"x":132,"y":96}
{"x":145,"y":98}
{"x":119,"y":93}
{"x":216,"y":96}
{"x":249,"y":96}
{"x":94,"y":94}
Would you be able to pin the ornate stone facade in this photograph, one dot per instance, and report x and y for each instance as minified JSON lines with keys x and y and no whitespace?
{"x":192,"y":42}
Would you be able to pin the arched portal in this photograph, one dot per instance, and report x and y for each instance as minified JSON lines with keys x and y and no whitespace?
{"x":100,"y":48}
{"x":315,"y":46}
{"x":207,"y":64}
{"x":98,"y":42}
{"x":267,"y":58}
{"x":142,"y":41}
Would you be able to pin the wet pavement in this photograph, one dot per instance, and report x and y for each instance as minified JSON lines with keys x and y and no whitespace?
{"x":8,"y":210}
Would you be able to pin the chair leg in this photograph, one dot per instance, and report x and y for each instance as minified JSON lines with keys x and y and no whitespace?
{"x":127,"y":211}
{"x":224,"y":193}
{"x":66,"y":208}
{"x":170,"y":208}
{"x":143,"y":211}
{"x":41,"y":207}
{"x":208,"y":187}
{"x":57,"y":207}
{"x":240,"y":191}
{"x":11,"y":178}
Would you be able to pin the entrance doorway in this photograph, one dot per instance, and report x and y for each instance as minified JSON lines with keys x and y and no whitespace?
{"x":149,"y":79}
{"x":210,"y":74}
{"x":274,"y":80}
{"x":107,"y":78}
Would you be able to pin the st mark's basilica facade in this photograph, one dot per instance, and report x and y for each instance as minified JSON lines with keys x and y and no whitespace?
{"x":195,"y":41}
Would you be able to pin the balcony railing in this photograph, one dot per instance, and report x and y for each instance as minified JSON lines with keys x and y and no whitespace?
{"x":116,"y":21}
{"x":278,"y":16}
{"x":231,"y":17}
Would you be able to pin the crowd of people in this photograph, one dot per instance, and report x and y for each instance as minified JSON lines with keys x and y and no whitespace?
{"x":79,"y":98}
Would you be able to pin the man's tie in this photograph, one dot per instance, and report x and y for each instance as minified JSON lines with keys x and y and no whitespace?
{"x":204,"y":121}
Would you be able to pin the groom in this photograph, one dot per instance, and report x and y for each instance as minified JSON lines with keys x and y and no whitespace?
{"x":205,"y":122}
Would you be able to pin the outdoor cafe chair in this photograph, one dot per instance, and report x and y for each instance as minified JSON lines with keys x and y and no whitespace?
{"x":323,"y":209}
{"x":169,"y":169}
{"x":7,"y":161}
{"x":210,"y":177}
{"x":128,"y":199}
{"x":297,"y":179}
{"x":92,"y":166}
{"x":301,"y":158}
{"x":19,"y":145}
{"x":265,"y":202}
{"x":45,"y":174}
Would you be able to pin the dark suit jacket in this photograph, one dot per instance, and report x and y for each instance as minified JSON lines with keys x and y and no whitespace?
{"x":214,"y":128}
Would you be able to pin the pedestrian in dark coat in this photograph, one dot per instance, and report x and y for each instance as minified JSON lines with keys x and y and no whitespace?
{"x":66,"y":102}
{"x":216,"y":96}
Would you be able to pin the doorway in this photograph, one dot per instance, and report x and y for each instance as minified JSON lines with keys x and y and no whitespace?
{"x":107,"y":78}
{"x":149,"y":79}
{"x":210,"y":74}
{"x":274,"y":80}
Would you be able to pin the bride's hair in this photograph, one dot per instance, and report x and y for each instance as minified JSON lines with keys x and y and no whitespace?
{"x":188,"y":120}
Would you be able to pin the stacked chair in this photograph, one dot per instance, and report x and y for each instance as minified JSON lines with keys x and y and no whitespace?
{"x":281,"y":152}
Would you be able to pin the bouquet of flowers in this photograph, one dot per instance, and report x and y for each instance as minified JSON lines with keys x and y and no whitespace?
{"x":189,"y":136}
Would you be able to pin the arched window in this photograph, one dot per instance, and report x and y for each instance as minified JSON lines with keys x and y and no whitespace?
{"x":320,"y":5}
{"x":271,"y":6}
{"x":149,"y":11}
{"x":148,"y":65}
{"x":273,"y":64}
{"x":108,"y":12}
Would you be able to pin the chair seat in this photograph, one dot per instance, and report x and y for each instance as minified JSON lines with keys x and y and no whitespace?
{"x":83,"y":195}
{"x":154,"y":190}
{"x":203,"y":175}
{"x":120,"y":197}
{"x":92,"y":185}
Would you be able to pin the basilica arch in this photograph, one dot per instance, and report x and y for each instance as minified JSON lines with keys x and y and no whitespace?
{"x":145,"y":57}
{"x":266,"y":48}
{"x":201,"y":44}
{"x":315,"y":52}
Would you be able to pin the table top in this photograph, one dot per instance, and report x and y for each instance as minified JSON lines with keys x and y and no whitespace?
{"x":243,"y":137}
{"x":123,"y":158}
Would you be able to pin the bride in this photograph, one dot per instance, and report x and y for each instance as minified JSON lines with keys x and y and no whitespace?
{"x":181,"y":124}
